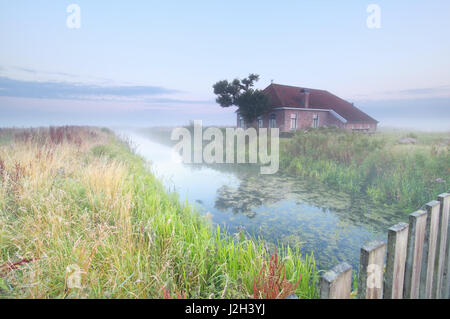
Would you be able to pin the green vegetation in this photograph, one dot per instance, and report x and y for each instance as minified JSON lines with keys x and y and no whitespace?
{"x":77,"y":203}
{"x":400,"y":169}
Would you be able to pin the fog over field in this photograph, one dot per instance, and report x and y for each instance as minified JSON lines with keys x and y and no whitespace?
{"x":419,"y":114}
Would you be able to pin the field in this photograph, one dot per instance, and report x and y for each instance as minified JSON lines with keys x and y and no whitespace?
{"x":81,"y":216}
{"x":395,"y":168}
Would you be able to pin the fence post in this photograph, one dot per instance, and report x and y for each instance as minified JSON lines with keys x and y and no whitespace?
{"x":396,"y":261}
{"x":417,"y":224}
{"x":336,"y":283}
{"x":441,"y":243}
{"x":370,"y":283}
{"x":443,"y":286}
{"x":429,"y":250}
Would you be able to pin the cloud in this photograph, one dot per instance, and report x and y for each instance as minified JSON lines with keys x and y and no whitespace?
{"x":179,"y":101}
{"x":424,"y":91}
{"x":24,"y":72}
{"x":65,"y":90}
{"x":442,"y":91}
{"x":28,"y":70}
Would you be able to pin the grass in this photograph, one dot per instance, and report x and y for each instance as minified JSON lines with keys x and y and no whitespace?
{"x":378,"y":165}
{"x":81,"y":216}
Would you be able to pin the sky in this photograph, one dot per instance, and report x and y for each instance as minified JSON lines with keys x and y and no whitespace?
{"x":149,"y":63}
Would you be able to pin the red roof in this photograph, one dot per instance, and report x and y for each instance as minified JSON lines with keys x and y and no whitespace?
{"x":292,"y":96}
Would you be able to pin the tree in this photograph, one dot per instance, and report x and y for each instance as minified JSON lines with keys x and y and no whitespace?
{"x":251,"y":102}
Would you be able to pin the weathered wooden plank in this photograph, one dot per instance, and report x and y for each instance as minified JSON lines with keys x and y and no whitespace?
{"x":416,"y":237}
{"x":441,"y":244}
{"x":336,"y":283}
{"x":429,"y":250}
{"x":445,"y":270}
{"x":396,"y":261}
{"x":370,"y":283}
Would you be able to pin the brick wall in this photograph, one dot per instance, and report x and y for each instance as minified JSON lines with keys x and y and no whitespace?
{"x":305,"y":119}
{"x":369,"y":127}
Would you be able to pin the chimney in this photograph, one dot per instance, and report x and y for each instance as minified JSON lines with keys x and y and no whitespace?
{"x":305,"y":98}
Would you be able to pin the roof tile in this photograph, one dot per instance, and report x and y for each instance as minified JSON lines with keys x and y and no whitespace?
{"x":291,"y":96}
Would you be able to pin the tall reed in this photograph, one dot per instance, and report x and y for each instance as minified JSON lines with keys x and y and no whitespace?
{"x":91,"y":221}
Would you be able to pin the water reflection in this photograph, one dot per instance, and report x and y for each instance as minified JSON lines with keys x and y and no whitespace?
{"x":308,"y":215}
{"x":280,"y":208}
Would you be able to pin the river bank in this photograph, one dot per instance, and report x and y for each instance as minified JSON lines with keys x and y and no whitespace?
{"x":81,"y":216}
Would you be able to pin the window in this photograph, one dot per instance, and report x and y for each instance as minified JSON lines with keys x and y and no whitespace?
{"x":316,"y":121}
{"x":273,"y":121}
{"x":294,"y":121}
{"x":260,"y":122}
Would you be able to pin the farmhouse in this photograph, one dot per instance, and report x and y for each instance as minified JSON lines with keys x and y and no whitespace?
{"x":296,"y":107}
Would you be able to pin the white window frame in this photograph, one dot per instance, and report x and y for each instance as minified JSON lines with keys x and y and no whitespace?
{"x":315,"y":121}
{"x":293,"y":124}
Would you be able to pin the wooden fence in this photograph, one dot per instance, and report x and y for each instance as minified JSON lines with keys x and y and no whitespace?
{"x":415,"y":262}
